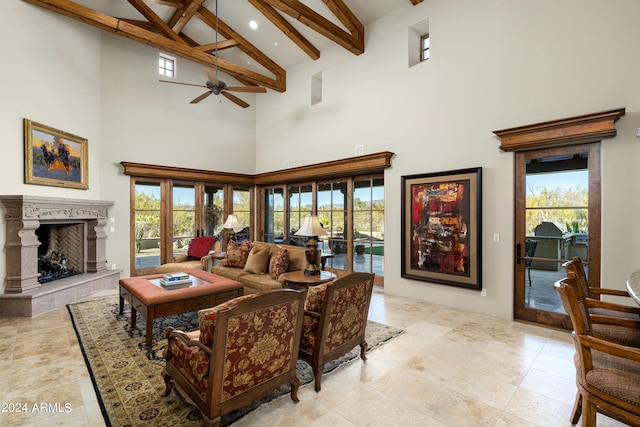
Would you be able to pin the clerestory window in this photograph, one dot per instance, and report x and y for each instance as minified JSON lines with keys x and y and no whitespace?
{"x":167,"y":65}
{"x":424,"y":47}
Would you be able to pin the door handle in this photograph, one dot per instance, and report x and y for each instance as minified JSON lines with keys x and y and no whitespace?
{"x":518,"y":253}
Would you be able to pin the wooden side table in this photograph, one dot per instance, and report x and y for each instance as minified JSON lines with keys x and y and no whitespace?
{"x":297,"y":279}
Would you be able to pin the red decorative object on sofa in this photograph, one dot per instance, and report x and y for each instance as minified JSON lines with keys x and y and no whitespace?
{"x":200,"y":246}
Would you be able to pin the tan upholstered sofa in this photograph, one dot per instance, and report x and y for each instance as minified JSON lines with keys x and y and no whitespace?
{"x":253,"y":276}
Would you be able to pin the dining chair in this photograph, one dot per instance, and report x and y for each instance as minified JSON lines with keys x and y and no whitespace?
{"x":576,"y":266}
{"x":607,"y":372}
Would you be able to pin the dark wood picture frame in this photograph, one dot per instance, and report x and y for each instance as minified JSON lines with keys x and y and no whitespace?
{"x":54,"y":157}
{"x":442,"y":227}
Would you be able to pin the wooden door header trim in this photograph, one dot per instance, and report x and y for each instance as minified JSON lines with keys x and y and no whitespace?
{"x":556,"y":133}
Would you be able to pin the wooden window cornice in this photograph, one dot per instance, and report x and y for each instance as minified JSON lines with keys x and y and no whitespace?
{"x":170,"y":172}
{"x":558,"y":133}
{"x":352,"y":166}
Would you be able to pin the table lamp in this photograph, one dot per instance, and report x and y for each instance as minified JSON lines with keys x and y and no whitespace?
{"x":311,"y":228}
{"x":230,"y":224}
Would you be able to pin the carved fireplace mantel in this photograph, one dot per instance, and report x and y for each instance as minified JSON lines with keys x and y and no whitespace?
{"x":24,"y":214}
{"x":26,"y":219}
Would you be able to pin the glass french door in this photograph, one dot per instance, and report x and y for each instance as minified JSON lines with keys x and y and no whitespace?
{"x":557,"y":194}
{"x":167,"y":215}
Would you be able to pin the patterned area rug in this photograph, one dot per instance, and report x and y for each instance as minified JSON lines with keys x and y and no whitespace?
{"x":127,"y":376}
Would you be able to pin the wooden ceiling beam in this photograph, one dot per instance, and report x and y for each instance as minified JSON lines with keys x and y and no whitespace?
{"x":142,"y":24}
{"x":179,"y":48}
{"x":229,"y":33}
{"x":170,"y":3}
{"x":345,"y":15}
{"x":185,"y":15}
{"x":353,"y":42}
{"x":155,"y":19}
{"x":212,"y":47}
{"x":289,"y":30}
{"x":415,"y":2}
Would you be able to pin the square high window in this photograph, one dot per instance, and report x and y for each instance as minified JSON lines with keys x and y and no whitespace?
{"x":167,"y":65}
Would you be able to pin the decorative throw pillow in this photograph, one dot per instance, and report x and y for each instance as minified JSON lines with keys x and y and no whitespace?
{"x":237,"y":255}
{"x":200,"y":246}
{"x":257,"y":260}
{"x":315,"y":297}
{"x":279,"y":263}
{"x":207,"y":318}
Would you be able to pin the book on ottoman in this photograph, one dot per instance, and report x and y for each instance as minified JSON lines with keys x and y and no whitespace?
{"x":174,"y":279}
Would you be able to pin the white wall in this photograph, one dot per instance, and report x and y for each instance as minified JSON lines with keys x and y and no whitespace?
{"x":494,"y":65}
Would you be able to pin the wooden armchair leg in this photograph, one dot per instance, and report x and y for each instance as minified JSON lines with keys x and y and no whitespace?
{"x":577,"y":409}
{"x":167,"y":383}
{"x":317,"y":375}
{"x":295,"y":383}
{"x":588,"y":413}
{"x":206,"y":422}
{"x":363,"y":350}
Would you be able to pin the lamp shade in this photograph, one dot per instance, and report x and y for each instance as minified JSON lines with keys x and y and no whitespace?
{"x":232,"y":222}
{"x":311,"y":227}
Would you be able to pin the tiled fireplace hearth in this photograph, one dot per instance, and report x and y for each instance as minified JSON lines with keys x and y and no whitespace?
{"x":37,"y":226}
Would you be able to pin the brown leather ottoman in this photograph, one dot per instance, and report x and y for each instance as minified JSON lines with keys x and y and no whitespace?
{"x":152,"y":300}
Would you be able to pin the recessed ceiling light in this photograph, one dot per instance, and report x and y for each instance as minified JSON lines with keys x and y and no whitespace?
{"x":253,"y":25}
{"x":275,"y":43}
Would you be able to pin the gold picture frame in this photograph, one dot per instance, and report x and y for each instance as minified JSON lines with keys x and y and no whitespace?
{"x":54,"y":157}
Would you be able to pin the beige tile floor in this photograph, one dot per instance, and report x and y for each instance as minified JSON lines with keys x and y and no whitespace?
{"x":450,"y":368}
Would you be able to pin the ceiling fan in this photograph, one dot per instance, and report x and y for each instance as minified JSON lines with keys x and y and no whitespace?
{"x":217,"y":86}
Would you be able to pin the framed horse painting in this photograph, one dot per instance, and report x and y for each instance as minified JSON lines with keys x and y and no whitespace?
{"x":54,"y":157}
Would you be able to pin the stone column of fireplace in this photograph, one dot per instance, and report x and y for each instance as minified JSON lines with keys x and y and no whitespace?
{"x":23,"y":216}
{"x":22,"y":249}
{"x":97,"y":253}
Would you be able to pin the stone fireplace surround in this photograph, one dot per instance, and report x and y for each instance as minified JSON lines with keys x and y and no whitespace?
{"x":23,"y":295}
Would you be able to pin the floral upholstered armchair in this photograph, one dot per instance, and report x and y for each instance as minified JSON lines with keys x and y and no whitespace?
{"x":245,"y":348}
{"x":335,"y":319}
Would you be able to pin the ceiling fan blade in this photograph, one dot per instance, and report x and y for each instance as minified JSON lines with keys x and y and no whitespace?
{"x":201,"y":97}
{"x":180,"y":83}
{"x":211,"y":75}
{"x":252,"y":89}
{"x":235,"y":99}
